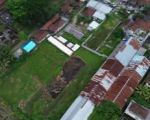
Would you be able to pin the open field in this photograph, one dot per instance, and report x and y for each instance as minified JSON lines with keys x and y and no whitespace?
{"x":55,"y":108}
{"x":34,"y":71}
{"x":29,"y":76}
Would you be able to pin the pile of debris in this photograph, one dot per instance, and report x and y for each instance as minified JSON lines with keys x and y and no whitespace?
{"x":70,"y":70}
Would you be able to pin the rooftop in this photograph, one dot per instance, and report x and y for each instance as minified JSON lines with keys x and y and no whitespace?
{"x":137,"y":111}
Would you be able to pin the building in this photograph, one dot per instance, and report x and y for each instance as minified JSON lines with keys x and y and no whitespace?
{"x":128,"y":80}
{"x":51,"y":27}
{"x":135,"y":111}
{"x":138,"y":28}
{"x":93,"y":25}
{"x":116,"y":79}
{"x":79,"y":110}
{"x":127,"y":50}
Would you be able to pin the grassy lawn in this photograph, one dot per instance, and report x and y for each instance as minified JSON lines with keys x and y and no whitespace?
{"x":53,"y":109}
{"x":105,"y":28}
{"x":29,"y":76}
{"x":39,"y":69}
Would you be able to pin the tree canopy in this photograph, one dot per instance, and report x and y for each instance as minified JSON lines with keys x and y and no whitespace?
{"x":31,"y":12}
{"x":106,"y":111}
{"x":5,"y":59}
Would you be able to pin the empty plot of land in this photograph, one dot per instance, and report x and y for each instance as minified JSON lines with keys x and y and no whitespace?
{"x":31,"y":74}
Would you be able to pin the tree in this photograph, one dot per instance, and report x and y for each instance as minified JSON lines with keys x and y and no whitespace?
{"x":5,"y":59}
{"x":144,"y":92}
{"x":106,"y":111}
{"x":29,"y":12}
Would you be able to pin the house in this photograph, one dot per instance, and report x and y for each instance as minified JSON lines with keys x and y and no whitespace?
{"x":79,"y":110}
{"x":97,"y":9}
{"x":134,"y":111}
{"x":128,"y":80}
{"x":89,"y":11}
{"x":126,"y":51}
{"x":138,"y":28}
{"x":93,"y":25}
{"x":61,"y":43}
{"x":116,"y":79}
{"x":8,"y":37}
{"x":51,"y":27}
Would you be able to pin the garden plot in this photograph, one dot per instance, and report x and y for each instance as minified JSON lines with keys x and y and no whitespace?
{"x":107,"y":36}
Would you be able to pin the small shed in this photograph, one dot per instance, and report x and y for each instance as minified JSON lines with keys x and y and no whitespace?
{"x":93,"y":25}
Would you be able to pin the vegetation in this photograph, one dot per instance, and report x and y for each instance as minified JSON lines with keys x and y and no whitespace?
{"x":142,"y":95}
{"x":113,"y":40}
{"x":32,"y":12}
{"x":35,"y":71}
{"x":144,"y":91}
{"x":105,"y":29}
{"x":106,"y":111}
{"x":5,"y":59}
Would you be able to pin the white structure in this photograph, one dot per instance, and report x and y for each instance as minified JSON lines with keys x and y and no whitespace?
{"x":98,"y":15}
{"x":93,"y":25}
{"x":142,"y":64}
{"x":80,"y":109}
{"x":127,"y":52}
{"x":99,"y":6}
{"x":60,"y":43}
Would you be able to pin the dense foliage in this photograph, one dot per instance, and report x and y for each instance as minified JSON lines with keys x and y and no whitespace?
{"x":5,"y":59}
{"x":106,"y":111}
{"x":31,"y":12}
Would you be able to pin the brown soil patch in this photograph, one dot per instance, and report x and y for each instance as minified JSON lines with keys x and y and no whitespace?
{"x":70,"y":70}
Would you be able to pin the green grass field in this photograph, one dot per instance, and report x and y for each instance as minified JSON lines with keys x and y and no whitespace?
{"x":40,"y":68}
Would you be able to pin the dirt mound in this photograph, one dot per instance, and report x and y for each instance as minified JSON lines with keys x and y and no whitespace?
{"x":70,"y":70}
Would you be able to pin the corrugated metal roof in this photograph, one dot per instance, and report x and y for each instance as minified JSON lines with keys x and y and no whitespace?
{"x":114,"y":66}
{"x":127,"y":52}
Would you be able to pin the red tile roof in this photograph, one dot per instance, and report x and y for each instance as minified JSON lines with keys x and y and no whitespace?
{"x":114,"y":66}
{"x":53,"y":25}
{"x":139,"y":24}
{"x":95,"y":92}
{"x":89,"y":11}
{"x":135,"y":44}
{"x":124,"y":87}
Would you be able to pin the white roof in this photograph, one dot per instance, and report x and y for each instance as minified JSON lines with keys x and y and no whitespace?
{"x":80,"y":109}
{"x":61,"y":39}
{"x":99,"y":15}
{"x":92,"y":3}
{"x":124,"y":56}
{"x":142,"y":64}
{"x":104,"y":8}
{"x":93,"y":25}
{"x":60,"y":46}
{"x":70,"y":45}
{"x":76,"y":47}
{"x":99,"y":6}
